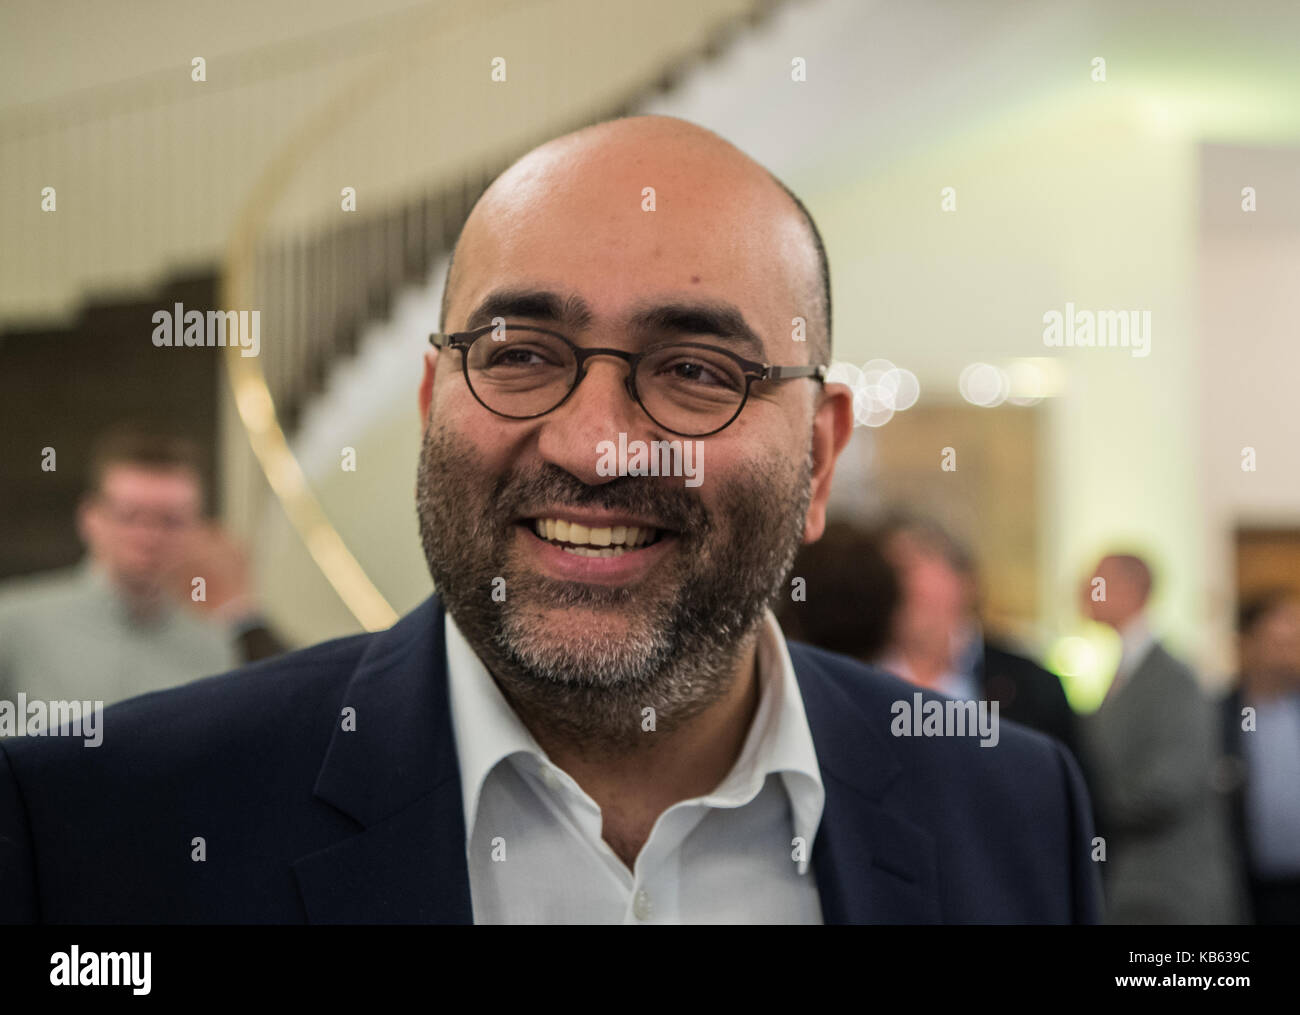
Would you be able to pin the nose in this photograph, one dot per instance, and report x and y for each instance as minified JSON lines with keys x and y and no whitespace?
{"x":599,"y":409}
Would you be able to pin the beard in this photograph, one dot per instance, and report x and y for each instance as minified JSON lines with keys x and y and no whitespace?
{"x":671,"y":642}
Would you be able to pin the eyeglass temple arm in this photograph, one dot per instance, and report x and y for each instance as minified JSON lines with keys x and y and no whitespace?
{"x":786,"y":373}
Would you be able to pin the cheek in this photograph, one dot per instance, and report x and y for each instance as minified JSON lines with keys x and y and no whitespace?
{"x":467,"y":425}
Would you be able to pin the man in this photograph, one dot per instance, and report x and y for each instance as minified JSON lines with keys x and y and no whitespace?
{"x":937,"y":640}
{"x":124,"y":621}
{"x":597,"y":720}
{"x":1261,"y":727}
{"x":1151,"y":760}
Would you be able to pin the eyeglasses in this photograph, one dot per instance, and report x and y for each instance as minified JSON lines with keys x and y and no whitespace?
{"x":132,"y":516}
{"x":691,"y":389}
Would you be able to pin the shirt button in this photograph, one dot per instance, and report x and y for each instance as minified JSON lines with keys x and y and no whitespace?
{"x":641,"y":905}
{"x":550,"y":778}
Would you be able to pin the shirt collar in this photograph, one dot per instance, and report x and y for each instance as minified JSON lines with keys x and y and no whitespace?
{"x":1136,"y":641}
{"x":779,"y":740}
{"x":486,"y":728}
{"x":961,"y":680}
{"x":100,"y":586}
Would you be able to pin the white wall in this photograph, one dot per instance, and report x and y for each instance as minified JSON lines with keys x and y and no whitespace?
{"x":1249,"y":285}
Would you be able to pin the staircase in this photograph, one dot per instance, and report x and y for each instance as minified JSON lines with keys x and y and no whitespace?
{"x":317,"y":291}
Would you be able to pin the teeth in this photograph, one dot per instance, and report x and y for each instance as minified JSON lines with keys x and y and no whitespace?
{"x":591,"y":551}
{"x":603,"y":542}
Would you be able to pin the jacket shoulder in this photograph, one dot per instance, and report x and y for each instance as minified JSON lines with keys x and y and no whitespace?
{"x":1000,"y":656}
{"x":1163,"y":663}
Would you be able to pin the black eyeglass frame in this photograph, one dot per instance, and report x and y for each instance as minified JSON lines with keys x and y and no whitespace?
{"x":752,"y":370}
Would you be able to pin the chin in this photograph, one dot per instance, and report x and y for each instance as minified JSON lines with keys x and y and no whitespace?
{"x":582,"y":624}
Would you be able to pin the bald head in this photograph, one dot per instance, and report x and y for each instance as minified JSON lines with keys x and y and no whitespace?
{"x":1124,"y":589}
{"x":721,"y":226}
{"x":1133,"y":570}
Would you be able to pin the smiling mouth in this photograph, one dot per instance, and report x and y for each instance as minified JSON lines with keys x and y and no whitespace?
{"x":585,"y":541}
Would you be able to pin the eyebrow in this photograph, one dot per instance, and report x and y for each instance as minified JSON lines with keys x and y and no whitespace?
{"x":571,"y":312}
{"x":674,"y":317}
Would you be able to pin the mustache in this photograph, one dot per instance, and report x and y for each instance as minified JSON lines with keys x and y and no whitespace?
{"x":673,"y":506}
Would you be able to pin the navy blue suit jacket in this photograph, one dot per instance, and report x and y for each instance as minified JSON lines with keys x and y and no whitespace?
{"x":305,"y":822}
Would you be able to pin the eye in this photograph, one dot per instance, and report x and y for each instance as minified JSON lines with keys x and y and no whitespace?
{"x":698,"y":371}
{"x":522,"y":356}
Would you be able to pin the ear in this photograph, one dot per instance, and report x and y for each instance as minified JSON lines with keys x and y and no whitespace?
{"x":87,"y":521}
{"x":832,"y":428}
{"x":426,"y":383}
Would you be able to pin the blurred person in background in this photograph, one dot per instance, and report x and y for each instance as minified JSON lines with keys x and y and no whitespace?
{"x":123,"y":621}
{"x":1262,"y":749}
{"x":937,"y":640}
{"x":1151,"y":748}
{"x":849,"y":598}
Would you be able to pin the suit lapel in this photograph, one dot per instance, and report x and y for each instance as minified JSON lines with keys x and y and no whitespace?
{"x":872,"y":864}
{"x":397,"y":776}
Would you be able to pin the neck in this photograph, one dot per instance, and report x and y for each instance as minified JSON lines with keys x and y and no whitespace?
{"x":925,"y":668}
{"x":144,"y":601}
{"x":928,"y":660}
{"x":1265,"y":684}
{"x":1131,"y":624}
{"x":675,"y":762}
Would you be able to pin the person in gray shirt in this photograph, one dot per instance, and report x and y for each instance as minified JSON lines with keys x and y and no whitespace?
{"x":124,"y":621}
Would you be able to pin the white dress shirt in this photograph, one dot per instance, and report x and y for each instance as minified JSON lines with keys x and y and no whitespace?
{"x":533,"y":836}
{"x":1136,"y":640}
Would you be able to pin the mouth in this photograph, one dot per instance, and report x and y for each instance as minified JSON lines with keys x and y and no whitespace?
{"x":610,"y":539}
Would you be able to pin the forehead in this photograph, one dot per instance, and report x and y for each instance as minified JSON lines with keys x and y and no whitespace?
{"x":1119,"y":573}
{"x":126,"y":481}
{"x":717,"y":233}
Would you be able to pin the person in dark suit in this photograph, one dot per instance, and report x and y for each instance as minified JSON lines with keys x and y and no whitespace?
{"x":1152,"y":752}
{"x":1261,"y":755}
{"x":936,"y":638}
{"x":597,"y":719}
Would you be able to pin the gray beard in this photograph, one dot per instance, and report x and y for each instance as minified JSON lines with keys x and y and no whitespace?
{"x":682,"y":643}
